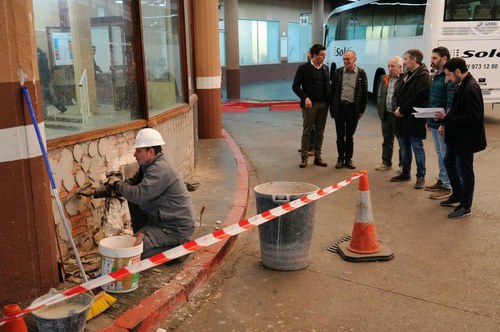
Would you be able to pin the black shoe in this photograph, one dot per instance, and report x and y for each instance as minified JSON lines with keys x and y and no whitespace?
{"x":401,"y":177}
{"x":339,"y":164}
{"x":349,"y":164}
{"x":303,"y":163}
{"x":459,"y":212}
{"x":451,"y":201}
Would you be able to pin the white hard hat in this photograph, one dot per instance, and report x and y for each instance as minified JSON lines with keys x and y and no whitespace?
{"x":148,"y":137}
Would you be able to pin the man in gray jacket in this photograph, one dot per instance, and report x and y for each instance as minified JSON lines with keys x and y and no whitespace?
{"x":158,"y":200}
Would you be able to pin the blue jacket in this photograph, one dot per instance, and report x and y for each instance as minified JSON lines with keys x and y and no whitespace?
{"x":441,"y":96}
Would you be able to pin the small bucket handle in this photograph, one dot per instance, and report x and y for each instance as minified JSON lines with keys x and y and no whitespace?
{"x":281,"y":199}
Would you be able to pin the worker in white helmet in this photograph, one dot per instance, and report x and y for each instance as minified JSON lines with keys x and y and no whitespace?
{"x":159,"y":203}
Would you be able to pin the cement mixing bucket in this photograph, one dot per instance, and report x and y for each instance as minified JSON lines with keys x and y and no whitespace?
{"x":68,"y":315}
{"x":118,"y":252}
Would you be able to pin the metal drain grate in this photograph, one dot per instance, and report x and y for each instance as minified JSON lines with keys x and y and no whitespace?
{"x":335,"y":246}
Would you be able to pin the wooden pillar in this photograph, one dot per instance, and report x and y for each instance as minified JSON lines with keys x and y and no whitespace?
{"x":318,"y":8}
{"x":207,"y":67}
{"x":28,"y":256}
{"x":232,"y":49}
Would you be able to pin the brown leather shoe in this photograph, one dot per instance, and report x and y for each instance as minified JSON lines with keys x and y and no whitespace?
{"x":320,"y":162}
{"x":303,"y":163}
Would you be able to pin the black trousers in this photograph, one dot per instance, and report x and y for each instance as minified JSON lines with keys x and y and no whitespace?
{"x":346,"y":122}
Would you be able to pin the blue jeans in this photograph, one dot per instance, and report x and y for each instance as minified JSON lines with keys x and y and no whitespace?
{"x":440,"y":147}
{"x":460,"y":168}
{"x":407,"y":144}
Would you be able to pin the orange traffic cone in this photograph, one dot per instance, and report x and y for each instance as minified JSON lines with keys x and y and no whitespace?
{"x":16,"y":325}
{"x":364,"y":237}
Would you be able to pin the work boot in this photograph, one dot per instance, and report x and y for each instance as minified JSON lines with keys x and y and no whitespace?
{"x":441,"y":194}
{"x":383,"y":167}
{"x":303,"y":163}
{"x":435,"y":187}
{"x":420,"y":183}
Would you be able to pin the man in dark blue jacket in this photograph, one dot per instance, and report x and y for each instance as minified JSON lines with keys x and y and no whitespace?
{"x":464,"y":136}
{"x":441,"y":97}
{"x":312,"y":85}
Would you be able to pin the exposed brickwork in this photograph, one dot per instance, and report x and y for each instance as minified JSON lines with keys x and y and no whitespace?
{"x":97,"y":157}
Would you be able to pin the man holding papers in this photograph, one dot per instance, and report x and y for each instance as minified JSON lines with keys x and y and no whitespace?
{"x":464,"y":135}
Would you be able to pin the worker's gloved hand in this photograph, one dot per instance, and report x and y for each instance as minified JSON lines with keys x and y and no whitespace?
{"x":112,"y":180}
{"x":103,"y":191}
{"x":89,"y":192}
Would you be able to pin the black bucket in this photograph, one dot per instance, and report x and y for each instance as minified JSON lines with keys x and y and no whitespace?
{"x":285,"y":242}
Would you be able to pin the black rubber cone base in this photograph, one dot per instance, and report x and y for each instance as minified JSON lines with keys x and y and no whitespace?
{"x":385,"y":254}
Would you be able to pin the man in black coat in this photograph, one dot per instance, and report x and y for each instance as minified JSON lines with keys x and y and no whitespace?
{"x":312,"y":85}
{"x":411,"y":91}
{"x":464,"y":135}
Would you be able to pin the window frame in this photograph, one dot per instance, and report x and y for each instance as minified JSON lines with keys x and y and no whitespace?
{"x":141,"y":79}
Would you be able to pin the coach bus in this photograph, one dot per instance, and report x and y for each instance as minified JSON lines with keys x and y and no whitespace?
{"x":379,"y":29}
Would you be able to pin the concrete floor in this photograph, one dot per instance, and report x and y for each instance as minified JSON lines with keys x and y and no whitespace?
{"x":445,"y":275}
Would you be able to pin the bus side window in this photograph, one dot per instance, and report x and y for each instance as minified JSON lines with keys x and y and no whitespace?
{"x":482,"y":13}
{"x":460,"y":14}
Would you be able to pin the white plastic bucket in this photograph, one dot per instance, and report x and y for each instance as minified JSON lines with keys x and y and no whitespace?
{"x":116,"y":253}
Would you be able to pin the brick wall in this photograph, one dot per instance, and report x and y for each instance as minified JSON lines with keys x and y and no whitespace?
{"x":87,"y":163}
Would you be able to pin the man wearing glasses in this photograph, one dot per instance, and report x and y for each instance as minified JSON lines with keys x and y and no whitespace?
{"x":350,"y":96}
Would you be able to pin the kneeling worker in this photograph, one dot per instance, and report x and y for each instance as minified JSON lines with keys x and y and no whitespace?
{"x":159,"y":203}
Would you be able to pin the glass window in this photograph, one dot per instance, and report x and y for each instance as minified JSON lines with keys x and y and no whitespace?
{"x":410,"y":21}
{"x":222,"y":48}
{"x":346,"y":26}
{"x":299,"y":41}
{"x":258,"y":42}
{"x":472,"y":10}
{"x":86,"y":64}
{"x":162,"y":54}
{"x":331,"y":30}
{"x":383,"y":21}
{"x":363,"y":23}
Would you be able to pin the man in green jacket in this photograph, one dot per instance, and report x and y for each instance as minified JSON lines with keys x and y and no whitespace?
{"x":385,"y":109}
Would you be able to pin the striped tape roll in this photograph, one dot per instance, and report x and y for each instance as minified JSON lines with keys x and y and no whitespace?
{"x":189,"y":247}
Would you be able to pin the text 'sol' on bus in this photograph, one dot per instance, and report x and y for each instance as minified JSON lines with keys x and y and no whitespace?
{"x":379,"y":29}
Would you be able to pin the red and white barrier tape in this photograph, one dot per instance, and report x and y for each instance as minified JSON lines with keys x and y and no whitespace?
{"x":188,"y":247}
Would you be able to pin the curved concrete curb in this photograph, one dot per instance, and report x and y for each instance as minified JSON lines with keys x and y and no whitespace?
{"x":156,"y":308}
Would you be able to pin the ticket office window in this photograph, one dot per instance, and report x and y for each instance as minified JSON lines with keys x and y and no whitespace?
{"x":89,"y":57}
